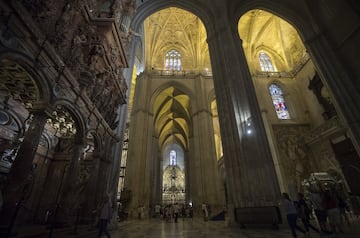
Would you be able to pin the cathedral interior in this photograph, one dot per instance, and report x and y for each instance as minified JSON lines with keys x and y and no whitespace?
{"x":228,"y":103}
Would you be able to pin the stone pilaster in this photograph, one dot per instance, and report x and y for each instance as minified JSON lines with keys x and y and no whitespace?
{"x":20,"y":179}
{"x":102,"y":178}
{"x":91,"y":200}
{"x":69,"y":186}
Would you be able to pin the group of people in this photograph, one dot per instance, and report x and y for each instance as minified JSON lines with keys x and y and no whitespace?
{"x":173,"y":212}
{"x":329,"y":206}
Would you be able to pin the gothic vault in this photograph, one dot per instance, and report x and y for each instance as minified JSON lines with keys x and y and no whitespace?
{"x":222,"y":102}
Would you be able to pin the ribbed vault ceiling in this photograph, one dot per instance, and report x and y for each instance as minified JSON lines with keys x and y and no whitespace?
{"x":263,"y":31}
{"x":172,"y":117}
{"x":174,"y":28}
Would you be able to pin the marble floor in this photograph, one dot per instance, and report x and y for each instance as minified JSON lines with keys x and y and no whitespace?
{"x":212,"y":229}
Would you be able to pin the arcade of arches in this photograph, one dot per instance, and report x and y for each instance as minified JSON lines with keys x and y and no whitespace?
{"x":164,"y":101}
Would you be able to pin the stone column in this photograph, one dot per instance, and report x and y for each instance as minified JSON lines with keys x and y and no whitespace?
{"x":91,"y":200}
{"x":102,"y":178}
{"x":203,"y":169}
{"x":187,"y":179}
{"x":69,"y":196}
{"x":345,"y":90}
{"x":20,"y":179}
{"x":156,"y":174}
{"x":250,"y":175}
{"x":117,"y":150}
{"x":276,"y":159}
{"x":140,"y":149}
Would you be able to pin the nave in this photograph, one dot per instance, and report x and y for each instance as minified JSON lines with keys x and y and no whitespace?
{"x":212,"y":229}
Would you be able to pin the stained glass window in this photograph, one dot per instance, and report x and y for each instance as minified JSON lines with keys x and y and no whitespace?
{"x":279,"y":102}
{"x":173,"y":60}
{"x":265,"y":63}
{"x":173,"y":157}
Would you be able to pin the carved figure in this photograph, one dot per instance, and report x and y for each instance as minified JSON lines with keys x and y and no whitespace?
{"x":76,"y":53}
{"x":297,"y":155}
{"x":95,"y":54}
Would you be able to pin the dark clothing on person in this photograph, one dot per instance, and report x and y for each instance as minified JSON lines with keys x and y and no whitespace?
{"x":105,"y":215}
{"x":304,"y":214}
{"x":291,"y":215}
{"x":291,"y":219}
{"x":103,"y":228}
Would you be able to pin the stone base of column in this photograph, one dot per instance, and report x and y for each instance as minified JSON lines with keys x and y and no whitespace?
{"x":269,"y":215}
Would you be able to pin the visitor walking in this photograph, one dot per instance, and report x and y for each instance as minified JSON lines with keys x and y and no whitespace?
{"x":304,"y":213}
{"x":291,"y":215}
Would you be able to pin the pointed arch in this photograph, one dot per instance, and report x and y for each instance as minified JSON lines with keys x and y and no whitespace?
{"x":30,"y":67}
{"x":149,"y":7}
{"x":76,"y":115}
{"x":295,"y":17}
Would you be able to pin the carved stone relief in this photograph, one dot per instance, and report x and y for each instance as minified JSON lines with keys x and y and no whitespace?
{"x":294,"y":154}
{"x":17,"y":83}
{"x":80,"y":184}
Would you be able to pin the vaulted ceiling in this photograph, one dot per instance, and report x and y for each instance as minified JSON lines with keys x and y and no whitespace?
{"x":263,"y":31}
{"x":177,"y":29}
{"x":172,"y":117}
{"x":174,"y":28}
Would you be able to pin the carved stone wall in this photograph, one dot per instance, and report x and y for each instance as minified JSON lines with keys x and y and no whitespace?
{"x":90,"y":45}
{"x":303,"y":150}
{"x":64,"y":55}
{"x":294,"y":157}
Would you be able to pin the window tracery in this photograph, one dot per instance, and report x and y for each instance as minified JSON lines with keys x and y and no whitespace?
{"x":265,"y":63}
{"x":173,"y":60}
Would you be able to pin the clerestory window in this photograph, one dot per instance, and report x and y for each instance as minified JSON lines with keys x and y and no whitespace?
{"x":173,"y":60}
{"x":265,"y":63}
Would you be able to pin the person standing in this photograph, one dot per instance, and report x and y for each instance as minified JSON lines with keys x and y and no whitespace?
{"x":320,"y":212}
{"x":205,"y":211}
{"x":304,"y":213}
{"x":105,"y":216}
{"x":157,"y":210}
{"x":291,"y":214}
{"x":176,"y":212}
{"x":330,"y":203}
{"x":141,"y":212}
